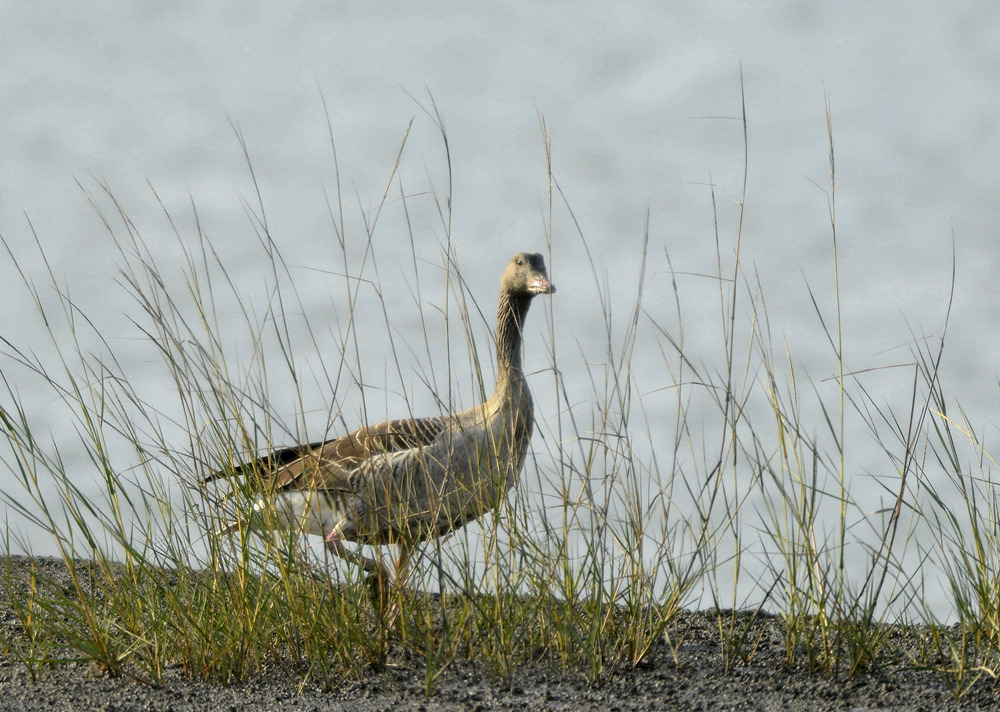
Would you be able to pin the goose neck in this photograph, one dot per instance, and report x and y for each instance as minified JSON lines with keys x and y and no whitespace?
{"x":510,"y":321}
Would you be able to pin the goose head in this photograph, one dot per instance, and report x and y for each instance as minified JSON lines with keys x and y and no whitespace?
{"x":525,"y":276}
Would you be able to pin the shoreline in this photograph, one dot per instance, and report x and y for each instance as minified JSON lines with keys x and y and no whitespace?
{"x":684,"y":671}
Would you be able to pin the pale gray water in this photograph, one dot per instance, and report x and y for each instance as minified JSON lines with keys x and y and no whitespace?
{"x":641,"y":100}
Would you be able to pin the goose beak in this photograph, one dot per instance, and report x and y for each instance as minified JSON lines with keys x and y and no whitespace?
{"x":540,"y":284}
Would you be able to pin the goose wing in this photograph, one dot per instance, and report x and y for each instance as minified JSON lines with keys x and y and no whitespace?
{"x":328,"y":465}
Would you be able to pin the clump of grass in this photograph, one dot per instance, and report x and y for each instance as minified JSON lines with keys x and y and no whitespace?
{"x":619,"y":521}
{"x":963,"y":516}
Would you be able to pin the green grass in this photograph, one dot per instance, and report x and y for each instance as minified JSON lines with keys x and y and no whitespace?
{"x":618,"y":523}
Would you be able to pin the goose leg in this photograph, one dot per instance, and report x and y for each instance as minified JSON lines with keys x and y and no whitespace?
{"x":403,"y":568}
{"x":335,"y":544}
{"x":377,"y":578}
{"x":381,"y":584}
{"x":403,"y":571}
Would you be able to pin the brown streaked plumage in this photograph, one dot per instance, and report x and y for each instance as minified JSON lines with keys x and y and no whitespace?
{"x":405,"y":481}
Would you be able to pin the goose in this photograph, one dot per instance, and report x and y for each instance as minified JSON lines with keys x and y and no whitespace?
{"x":403,"y":482}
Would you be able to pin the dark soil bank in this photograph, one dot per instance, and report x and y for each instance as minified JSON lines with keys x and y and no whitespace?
{"x":692,"y":677}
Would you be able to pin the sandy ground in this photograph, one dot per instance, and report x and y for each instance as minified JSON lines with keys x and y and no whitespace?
{"x":691,"y":678}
